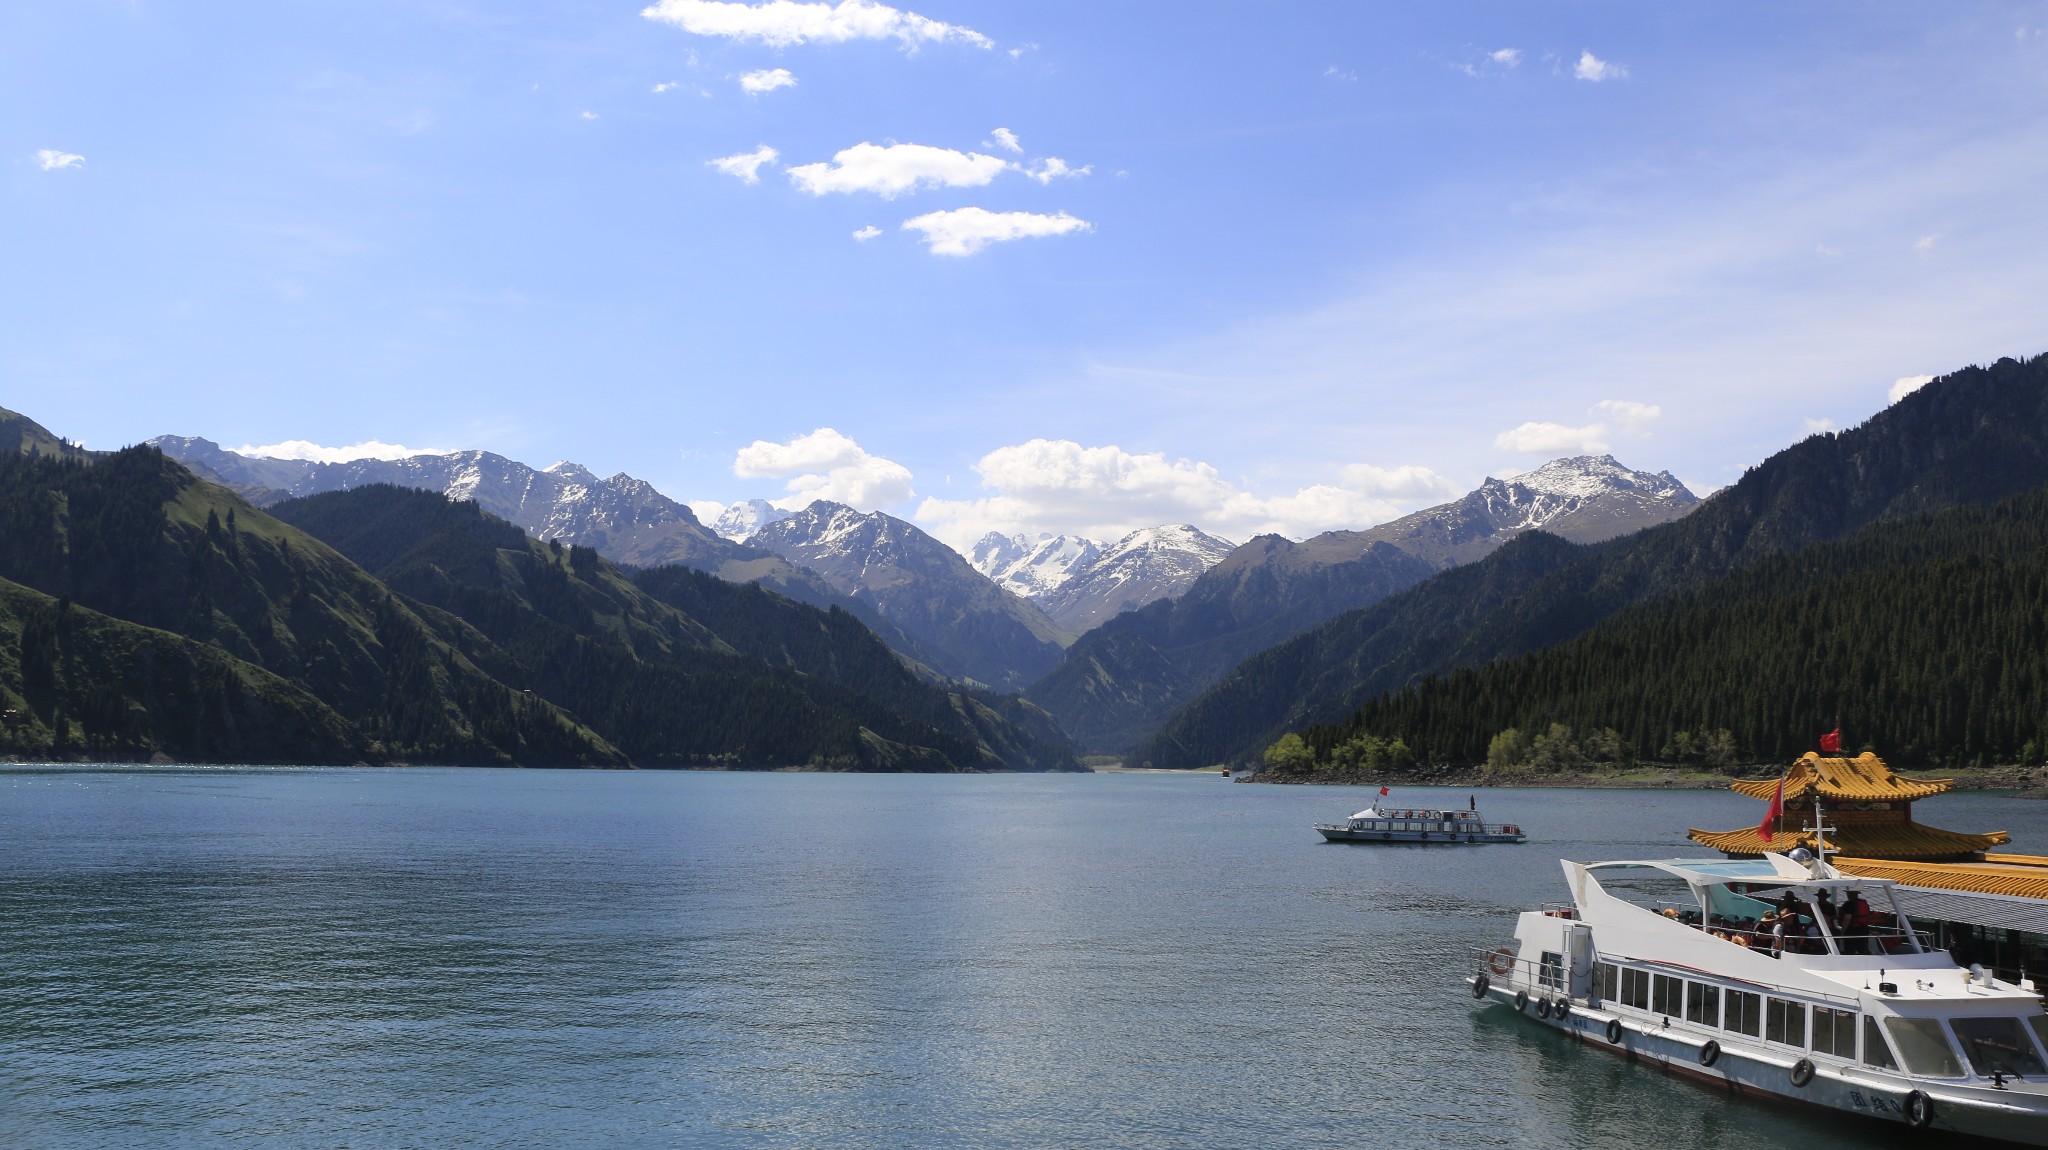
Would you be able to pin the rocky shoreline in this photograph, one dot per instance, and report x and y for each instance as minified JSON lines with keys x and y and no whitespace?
{"x":2026,"y":782}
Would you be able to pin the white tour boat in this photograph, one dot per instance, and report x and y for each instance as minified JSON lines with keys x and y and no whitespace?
{"x":1785,"y":979}
{"x":1381,"y":824}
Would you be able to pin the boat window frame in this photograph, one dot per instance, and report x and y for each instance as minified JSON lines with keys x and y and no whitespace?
{"x":1789,"y":1007}
{"x":1703,"y":1003}
{"x":2020,"y":1024}
{"x":1930,"y":1031}
{"x":1871,"y":1035}
{"x":1834,"y":1016}
{"x":1659,"y":999}
{"x":1731,"y":996}
{"x":1607,"y":980}
{"x":1640,"y":999}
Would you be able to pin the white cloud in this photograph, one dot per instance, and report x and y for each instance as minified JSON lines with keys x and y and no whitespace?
{"x":1925,"y":243}
{"x":1613,"y":416}
{"x":746,"y":165}
{"x":1591,"y":67}
{"x":1506,"y":57}
{"x":666,"y":86}
{"x":706,"y":510}
{"x":965,"y":231}
{"x":1407,"y":481}
{"x":867,"y":233}
{"x":313,"y":452}
{"x":1629,"y":417}
{"x":889,"y":170}
{"x":782,"y":23}
{"x":825,"y":465}
{"x":767,"y":80}
{"x":1006,"y":140}
{"x":1017,"y":53}
{"x":1058,"y":485}
{"x":590,"y":115}
{"x":50,"y":159}
{"x":1345,"y":74}
{"x":1906,"y":385}
{"x":1819,"y":426}
{"x":1535,"y":438}
{"x":1053,"y":168}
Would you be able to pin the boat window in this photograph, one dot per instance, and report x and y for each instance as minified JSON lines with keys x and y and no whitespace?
{"x":1552,"y":972}
{"x":1610,"y":982}
{"x":1924,"y":1047}
{"x":1450,"y":826}
{"x":1635,"y":988}
{"x":1703,"y":1003}
{"x":1411,"y":826}
{"x":2039,"y":1024}
{"x":1667,"y":995}
{"x":1834,"y":1032}
{"x":1785,"y":1022}
{"x":1875,"y":1052}
{"x":1997,"y":1046}
{"x":1744,"y":1012}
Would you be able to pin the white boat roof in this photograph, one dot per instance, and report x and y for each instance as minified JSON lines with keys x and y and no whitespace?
{"x":1775,"y":870}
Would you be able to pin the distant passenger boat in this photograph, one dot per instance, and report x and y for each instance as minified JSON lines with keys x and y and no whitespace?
{"x":1380,"y":824}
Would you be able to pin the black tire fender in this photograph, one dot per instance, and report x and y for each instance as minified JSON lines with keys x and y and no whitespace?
{"x":1543,"y":1008}
{"x":1561,"y":1007}
{"x":1802,"y":1072}
{"x":1710,"y":1053}
{"x":1479,"y":986}
{"x":1919,"y":1110}
{"x":1614,"y":1030}
{"x":1521,"y":1000}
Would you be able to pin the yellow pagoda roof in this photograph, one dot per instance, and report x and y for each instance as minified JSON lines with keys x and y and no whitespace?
{"x":1883,"y":840}
{"x":2023,"y":876}
{"x":1864,"y":778}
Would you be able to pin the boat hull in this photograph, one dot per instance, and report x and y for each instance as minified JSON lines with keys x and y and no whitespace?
{"x":1338,"y":833}
{"x":2020,"y":1119}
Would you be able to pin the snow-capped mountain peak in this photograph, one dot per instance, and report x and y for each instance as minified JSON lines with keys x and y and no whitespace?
{"x":741,"y":520}
{"x":1031,"y":565}
{"x":1590,"y":476}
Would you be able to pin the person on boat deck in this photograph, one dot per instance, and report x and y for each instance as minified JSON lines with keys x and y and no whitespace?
{"x":1853,"y":923}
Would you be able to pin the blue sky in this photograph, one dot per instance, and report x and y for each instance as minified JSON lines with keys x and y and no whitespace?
{"x":1305,"y":265}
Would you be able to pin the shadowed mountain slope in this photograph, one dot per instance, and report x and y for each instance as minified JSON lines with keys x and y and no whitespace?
{"x":1972,"y":437}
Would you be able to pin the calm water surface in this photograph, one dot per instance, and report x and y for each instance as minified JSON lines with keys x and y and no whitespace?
{"x":275,"y":957}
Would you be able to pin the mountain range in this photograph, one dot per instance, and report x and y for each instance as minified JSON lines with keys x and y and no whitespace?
{"x":1079,"y":583}
{"x":1973,"y":437}
{"x":145,"y":610}
{"x":967,"y":626}
{"x":1121,"y":681}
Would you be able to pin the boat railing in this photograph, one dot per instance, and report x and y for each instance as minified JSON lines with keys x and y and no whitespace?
{"x":1504,"y":967}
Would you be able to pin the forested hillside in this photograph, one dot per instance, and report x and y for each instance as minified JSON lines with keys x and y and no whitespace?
{"x":647,"y":658}
{"x":1927,"y":637}
{"x":1973,"y":437}
{"x":143,"y":610}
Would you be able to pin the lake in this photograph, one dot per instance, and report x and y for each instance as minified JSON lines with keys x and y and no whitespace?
{"x":429,"y":957}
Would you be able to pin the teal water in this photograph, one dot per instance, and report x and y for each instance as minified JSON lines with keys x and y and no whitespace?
{"x":324,"y":958}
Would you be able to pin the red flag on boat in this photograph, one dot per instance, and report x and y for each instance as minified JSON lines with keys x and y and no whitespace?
{"x":1832,"y":741}
{"x":1772,"y":816}
{"x":1383,"y":792}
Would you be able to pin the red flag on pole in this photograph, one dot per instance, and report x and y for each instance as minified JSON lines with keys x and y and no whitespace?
{"x":1773,"y":815}
{"x":1832,"y":741}
{"x":1383,"y":792}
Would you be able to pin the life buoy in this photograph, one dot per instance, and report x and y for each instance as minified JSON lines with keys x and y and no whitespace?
{"x":1802,"y":1072}
{"x":1521,"y":1000}
{"x":1710,"y":1053}
{"x":1479,"y":984}
{"x":1919,"y":1109}
{"x":1501,"y":961}
{"x":1561,"y":1007}
{"x":1614,"y":1031}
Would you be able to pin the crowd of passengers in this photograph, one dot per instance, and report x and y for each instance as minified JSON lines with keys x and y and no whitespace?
{"x":1791,"y":926}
